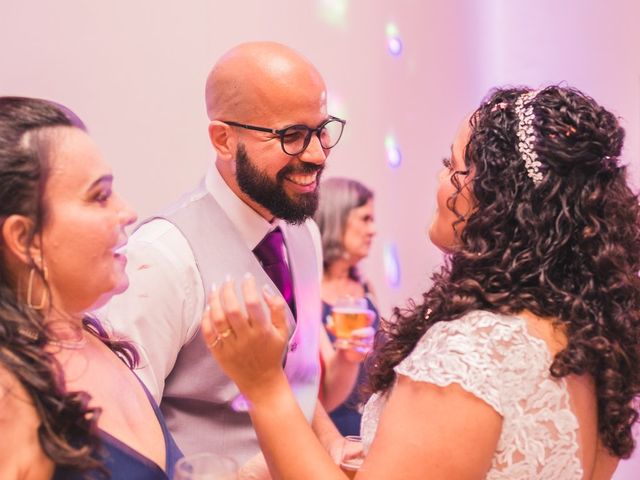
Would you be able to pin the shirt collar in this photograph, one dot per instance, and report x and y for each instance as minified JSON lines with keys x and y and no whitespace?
{"x":250,"y":224}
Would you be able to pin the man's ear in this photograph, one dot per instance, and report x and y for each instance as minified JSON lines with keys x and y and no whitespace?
{"x":223,"y":139}
{"x":17,"y":236}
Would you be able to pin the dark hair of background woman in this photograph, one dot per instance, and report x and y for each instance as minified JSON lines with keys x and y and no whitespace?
{"x":68,"y":428}
{"x":568,"y":248}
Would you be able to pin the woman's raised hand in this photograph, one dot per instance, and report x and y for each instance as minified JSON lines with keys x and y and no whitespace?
{"x":249,"y":340}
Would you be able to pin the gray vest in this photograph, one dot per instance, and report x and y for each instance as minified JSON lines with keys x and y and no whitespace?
{"x":201,"y":404}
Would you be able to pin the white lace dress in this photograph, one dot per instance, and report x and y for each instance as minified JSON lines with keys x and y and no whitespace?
{"x":496,"y":359}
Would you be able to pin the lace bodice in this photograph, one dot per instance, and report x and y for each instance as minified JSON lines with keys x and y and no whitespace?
{"x":496,"y":359}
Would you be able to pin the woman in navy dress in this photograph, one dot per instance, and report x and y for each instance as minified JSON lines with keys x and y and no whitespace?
{"x":345,"y":217}
{"x":71,"y":407}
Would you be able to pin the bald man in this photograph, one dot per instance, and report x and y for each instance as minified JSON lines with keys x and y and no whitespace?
{"x":272,"y":134}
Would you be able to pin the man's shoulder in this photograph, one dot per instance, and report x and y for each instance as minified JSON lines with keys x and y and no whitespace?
{"x":153,"y":230}
{"x":159,"y":240}
{"x":159,"y":226}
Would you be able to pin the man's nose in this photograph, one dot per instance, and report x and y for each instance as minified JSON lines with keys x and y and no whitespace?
{"x":314,"y":153}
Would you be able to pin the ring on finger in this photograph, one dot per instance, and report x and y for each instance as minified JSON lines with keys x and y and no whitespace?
{"x":215,"y":342}
{"x":225,"y":333}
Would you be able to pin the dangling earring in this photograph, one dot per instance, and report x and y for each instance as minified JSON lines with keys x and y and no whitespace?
{"x":43,"y":297}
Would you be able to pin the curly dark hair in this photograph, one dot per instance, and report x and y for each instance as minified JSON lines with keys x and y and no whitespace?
{"x":68,"y":426}
{"x":567,"y":248}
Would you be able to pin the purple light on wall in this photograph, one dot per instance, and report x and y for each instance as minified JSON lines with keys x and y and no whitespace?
{"x":394,"y":42}
{"x":392,"y":265}
{"x":394,"y":155}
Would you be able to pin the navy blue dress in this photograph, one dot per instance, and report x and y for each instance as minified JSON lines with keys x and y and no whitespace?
{"x":125,"y":463}
{"x":347,"y":416}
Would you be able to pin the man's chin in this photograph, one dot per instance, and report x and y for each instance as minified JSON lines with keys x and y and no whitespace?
{"x":288,"y":205}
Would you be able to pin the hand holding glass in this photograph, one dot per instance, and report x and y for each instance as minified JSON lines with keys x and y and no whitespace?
{"x":349,"y":315}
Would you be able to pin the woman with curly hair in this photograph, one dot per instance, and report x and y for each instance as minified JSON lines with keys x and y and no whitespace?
{"x":521,"y":360}
{"x":70,"y":406}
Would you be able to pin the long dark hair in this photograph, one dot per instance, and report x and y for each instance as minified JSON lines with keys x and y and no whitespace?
{"x":567,"y":248}
{"x":68,"y":426}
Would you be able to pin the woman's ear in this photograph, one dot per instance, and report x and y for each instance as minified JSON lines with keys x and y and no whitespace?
{"x":17,"y":237}
{"x":223,"y":140}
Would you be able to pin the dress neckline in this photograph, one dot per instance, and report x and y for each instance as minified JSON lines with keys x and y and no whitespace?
{"x":117,"y":443}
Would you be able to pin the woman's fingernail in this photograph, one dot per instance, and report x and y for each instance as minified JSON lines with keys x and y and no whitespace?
{"x":228,"y":278}
{"x":248,"y":276}
{"x":268,"y":290}
{"x":213,"y":287}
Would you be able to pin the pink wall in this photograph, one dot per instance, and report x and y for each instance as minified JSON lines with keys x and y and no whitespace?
{"x":134,"y":70}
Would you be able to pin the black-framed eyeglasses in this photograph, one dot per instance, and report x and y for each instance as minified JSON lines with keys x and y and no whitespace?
{"x":295,"y":139}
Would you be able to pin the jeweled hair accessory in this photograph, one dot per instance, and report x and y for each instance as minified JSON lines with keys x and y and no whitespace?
{"x":527,"y":135}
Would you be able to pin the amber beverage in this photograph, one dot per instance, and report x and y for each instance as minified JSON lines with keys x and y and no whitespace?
{"x":349,"y":314}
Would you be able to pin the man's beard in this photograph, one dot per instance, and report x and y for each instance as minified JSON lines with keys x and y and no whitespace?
{"x":271,"y":193}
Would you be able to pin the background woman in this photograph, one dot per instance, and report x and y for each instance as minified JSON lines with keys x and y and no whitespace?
{"x":345,"y":217}
{"x":521,"y":360}
{"x":71,"y":406}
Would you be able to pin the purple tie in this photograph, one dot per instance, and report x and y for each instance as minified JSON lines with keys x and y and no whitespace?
{"x":270,"y":253}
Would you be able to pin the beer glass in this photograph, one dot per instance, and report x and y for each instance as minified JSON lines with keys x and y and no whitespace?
{"x":206,"y":466}
{"x":352,"y":455}
{"x":349,"y":314}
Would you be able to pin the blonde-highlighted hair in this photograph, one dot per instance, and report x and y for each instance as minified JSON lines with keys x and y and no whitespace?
{"x":338,"y":196}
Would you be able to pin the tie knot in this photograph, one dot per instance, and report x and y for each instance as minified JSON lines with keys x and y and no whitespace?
{"x":270,"y":249}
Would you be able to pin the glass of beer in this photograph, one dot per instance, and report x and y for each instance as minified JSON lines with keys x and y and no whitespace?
{"x":349,"y":314}
{"x":206,"y":466}
{"x":352,"y":455}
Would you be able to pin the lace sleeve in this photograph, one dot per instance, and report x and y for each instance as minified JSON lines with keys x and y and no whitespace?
{"x":469,"y":351}
{"x":494,"y":358}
